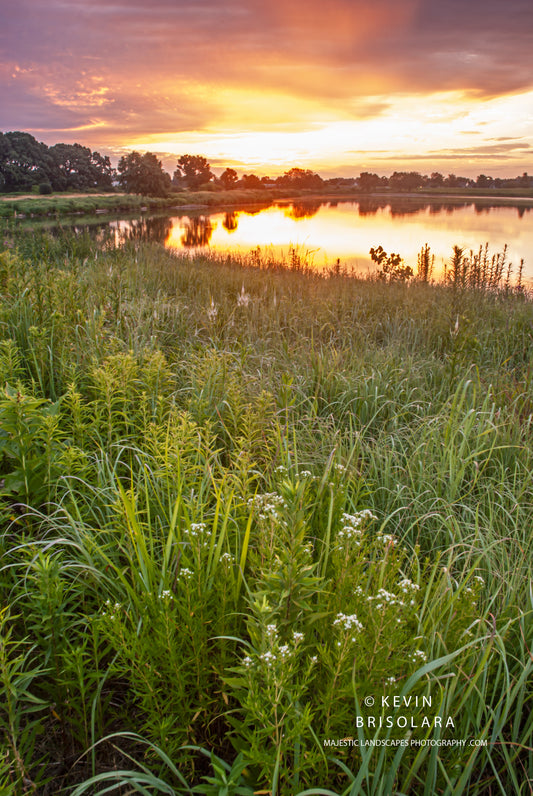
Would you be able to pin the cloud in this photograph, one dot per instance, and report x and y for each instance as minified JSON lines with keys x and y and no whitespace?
{"x":123,"y":69}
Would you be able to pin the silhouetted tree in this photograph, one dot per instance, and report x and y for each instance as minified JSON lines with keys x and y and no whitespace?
{"x":251,"y":181}
{"x":483,"y":181}
{"x":406,"y":180}
{"x":370,"y":182}
{"x":229,"y":178}
{"x":80,"y":168}
{"x":143,"y":174}
{"x":300,"y":178}
{"x":436,"y":180}
{"x":193,"y":170}
{"x":25,"y":162}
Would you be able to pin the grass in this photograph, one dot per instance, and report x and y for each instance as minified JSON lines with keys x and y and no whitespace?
{"x":239,"y":501}
{"x":61,"y":204}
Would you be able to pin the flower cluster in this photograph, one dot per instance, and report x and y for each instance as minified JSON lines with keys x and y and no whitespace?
{"x":407,"y":586}
{"x":386,"y":598}
{"x":349,"y":623}
{"x":386,"y":538}
{"x":351,"y":529}
{"x":197,"y":529}
{"x":110,"y":610}
{"x":418,"y":656}
{"x":268,"y":505}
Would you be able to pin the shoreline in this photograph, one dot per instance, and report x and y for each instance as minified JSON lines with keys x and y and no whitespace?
{"x":31,"y":205}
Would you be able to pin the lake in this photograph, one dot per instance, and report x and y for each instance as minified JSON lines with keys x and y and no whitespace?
{"x":346,"y":230}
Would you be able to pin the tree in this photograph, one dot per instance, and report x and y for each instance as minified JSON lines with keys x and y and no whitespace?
{"x":229,"y":178}
{"x":193,"y":170}
{"x":483,"y":181}
{"x":251,"y":181}
{"x":406,"y":180}
{"x":143,"y":174}
{"x":300,"y":178}
{"x":81,"y":169}
{"x":25,"y":162}
{"x":369,"y":182}
{"x":436,"y":180}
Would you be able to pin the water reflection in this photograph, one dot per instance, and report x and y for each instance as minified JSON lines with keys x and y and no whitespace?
{"x":343,"y":231}
{"x":297,"y":210}
{"x":230,"y":221}
{"x":151,"y":228}
{"x":197,"y":231}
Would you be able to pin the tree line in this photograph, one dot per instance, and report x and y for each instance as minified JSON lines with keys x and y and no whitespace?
{"x":27,"y":164}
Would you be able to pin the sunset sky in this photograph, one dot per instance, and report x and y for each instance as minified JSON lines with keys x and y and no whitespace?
{"x":338,"y":86}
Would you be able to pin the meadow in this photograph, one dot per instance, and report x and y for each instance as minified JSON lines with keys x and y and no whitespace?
{"x":263,"y":530}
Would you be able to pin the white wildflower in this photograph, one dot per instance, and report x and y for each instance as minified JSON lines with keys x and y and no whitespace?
{"x":348,"y":622}
{"x":407,"y":585}
{"x":212,"y":312}
{"x":418,"y":655}
{"x":243,"y":299}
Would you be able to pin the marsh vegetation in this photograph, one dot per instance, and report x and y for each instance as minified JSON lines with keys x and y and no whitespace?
{"x":241,"y":500}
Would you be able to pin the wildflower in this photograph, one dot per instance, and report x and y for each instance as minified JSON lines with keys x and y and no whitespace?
{"x":243,"y":299}
{"x":407,"y":585}
{"x":305,"y":474}
{"x":167,"y":595}
{"x":227,"y":558}
{"x":387,"y":597}
{"x":186,"y":573}
{"x":247,"y":661}
{"x":284,"y":651}
{"x":418,"y":655}
{"x":350,"y":622}
{"x":212,"y":311}
{"x":297,"y":637}
{"x":268,"y":657}
{"x":268,"y":505}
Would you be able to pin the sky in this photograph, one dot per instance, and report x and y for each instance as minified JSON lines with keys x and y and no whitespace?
{"x":337,"y":86}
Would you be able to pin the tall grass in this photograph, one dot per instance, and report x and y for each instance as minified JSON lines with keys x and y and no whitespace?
{"x":239,"y":502}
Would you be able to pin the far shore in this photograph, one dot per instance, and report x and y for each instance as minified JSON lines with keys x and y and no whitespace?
{"x":26,"y":205}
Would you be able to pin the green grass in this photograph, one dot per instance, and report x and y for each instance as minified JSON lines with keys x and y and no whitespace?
{"x":240,"y":498}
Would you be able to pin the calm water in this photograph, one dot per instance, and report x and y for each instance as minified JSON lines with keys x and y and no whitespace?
{"x":347,"y":230}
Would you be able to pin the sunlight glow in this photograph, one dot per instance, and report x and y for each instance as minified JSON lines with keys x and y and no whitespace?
{"x":410,"y":128}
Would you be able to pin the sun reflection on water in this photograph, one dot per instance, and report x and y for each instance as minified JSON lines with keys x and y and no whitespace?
{"x":346,"y":231}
